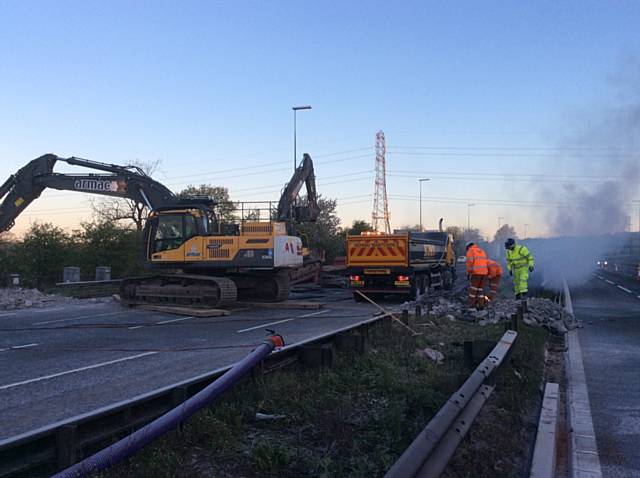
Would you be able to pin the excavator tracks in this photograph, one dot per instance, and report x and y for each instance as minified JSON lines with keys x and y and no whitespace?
{"x":194,"y":290}
{"x":179,"y":289}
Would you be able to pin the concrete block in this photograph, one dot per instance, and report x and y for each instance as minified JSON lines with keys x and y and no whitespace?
{"x":71,"y":274}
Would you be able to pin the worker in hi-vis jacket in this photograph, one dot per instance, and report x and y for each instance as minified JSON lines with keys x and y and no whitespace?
{"x":519,"y":264}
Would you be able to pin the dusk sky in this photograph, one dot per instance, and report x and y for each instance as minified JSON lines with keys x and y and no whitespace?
{"x":487,"y":99}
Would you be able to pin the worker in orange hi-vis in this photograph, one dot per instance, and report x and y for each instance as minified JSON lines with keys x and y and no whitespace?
{"x":495,"y":275}
{"x":477,"y":273}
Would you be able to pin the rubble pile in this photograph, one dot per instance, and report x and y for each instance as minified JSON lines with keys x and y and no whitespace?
{"x":540,"y":312}
{"x":25,"y":298}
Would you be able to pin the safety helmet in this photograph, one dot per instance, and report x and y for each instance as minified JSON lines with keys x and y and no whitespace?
{"x":510,"y":243}
{"x":469,"y":244}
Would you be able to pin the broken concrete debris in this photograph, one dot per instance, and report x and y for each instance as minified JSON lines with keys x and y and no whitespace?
{"x":431,"y":354}
{"x":11,"y":298}
{"x":540,"y":312}
{"x":25,"y":298}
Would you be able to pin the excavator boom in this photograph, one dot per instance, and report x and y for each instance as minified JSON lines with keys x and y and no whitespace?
{"x":22,"y":188}
{"x":288,"y":210}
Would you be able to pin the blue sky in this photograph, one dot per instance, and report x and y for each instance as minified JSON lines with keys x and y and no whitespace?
{"x":208,"y":87}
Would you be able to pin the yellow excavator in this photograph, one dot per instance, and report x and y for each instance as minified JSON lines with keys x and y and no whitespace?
{"x":196,"y":259}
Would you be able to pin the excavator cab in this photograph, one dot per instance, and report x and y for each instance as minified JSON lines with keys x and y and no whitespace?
{"x":168,"y":229}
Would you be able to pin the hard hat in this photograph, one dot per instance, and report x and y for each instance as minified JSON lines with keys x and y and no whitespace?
{"x":469,"y":244}
{"x":510,"y":243}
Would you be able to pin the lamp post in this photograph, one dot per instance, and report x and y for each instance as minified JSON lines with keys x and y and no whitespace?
{"x":469,"y":205}
{"x":525,"y":230}
{"x":421,"y":181}
{"x":638,"y":201}
{"x":295,"y":110}
{"x":500,"y":218}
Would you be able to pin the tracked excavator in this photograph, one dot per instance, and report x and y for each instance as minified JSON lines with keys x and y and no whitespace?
{"x":195,"y":258}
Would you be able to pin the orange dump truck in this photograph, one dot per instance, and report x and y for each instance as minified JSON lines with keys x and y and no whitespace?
{"x":400,"y":263}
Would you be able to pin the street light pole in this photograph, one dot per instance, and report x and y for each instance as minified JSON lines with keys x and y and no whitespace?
{"x":525,"y":230}
{"x":638,"y":201}
{"x":469,"y":205}
{"x":421,"y":181}
{"x":500,"y":218}
{"x":295,"y":110}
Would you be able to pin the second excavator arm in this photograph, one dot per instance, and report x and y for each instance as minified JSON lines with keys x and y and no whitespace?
{"x":22,"y":188}
{"x":288,"y":210}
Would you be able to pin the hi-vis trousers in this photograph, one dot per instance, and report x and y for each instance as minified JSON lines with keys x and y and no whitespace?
{"x":476,"y":289}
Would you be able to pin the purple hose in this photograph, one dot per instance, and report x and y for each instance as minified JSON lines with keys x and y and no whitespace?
{"x":134,"y":442}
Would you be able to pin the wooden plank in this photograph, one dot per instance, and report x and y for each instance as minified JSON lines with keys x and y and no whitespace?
{"x":289,"y":304}
{"x":191,"y":311}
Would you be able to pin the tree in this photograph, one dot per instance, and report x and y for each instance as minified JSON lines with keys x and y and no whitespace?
{"x":225,"y":209}
{"x":358,"y":226}
{"x":118,"y":209}
{"x":325,"y":233}
{"x":472,"y":235}
{"x":504,"y":233}
{"x":42,"y":254}
{"x":108,"y":244}
{"x":409,"y":228}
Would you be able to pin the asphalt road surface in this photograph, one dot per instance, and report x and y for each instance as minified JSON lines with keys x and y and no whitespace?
{"x":59,"y":362}
{"x":609,"y":306}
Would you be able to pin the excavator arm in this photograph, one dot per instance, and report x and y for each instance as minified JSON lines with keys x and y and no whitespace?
{"x":22,"y":188}
{"x":288,"y":210}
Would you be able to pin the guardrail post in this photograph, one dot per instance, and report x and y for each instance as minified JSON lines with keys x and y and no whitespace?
{"x":66,"y":438}
{"x":351,"y":343}
{"x":405,"y":317}
{"x":179,"y":395}
{"x":317,"y":355}
{"x":468,"y":354}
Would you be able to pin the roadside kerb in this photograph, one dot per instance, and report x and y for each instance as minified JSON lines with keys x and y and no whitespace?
{"x":63,"y":443}
{"x":544,"y":454}
{"x":584,"y":461}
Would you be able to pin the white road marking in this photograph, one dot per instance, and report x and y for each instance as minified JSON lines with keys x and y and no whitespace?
{"x":17,"y":347}
{"x":8,"y":314}
{"x":174,"y":320}
{"x":163,"y":322}
{"x":282,"y":321}
{"x":88,"y":367}
{"x":43,"y":310}
{"x":608,"y":281}
{"x":78,"y":318}
{"x":600,"y":277}
{"x":624,"y":289}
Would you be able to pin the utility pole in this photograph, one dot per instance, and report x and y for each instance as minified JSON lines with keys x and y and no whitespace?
{"x":469,"y":205}
{"x":421,"y":181}
{"x":525,"y":230}
{"x":638,"y":202}
{"x":295,"y":110}
{"x":500,"y":218}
